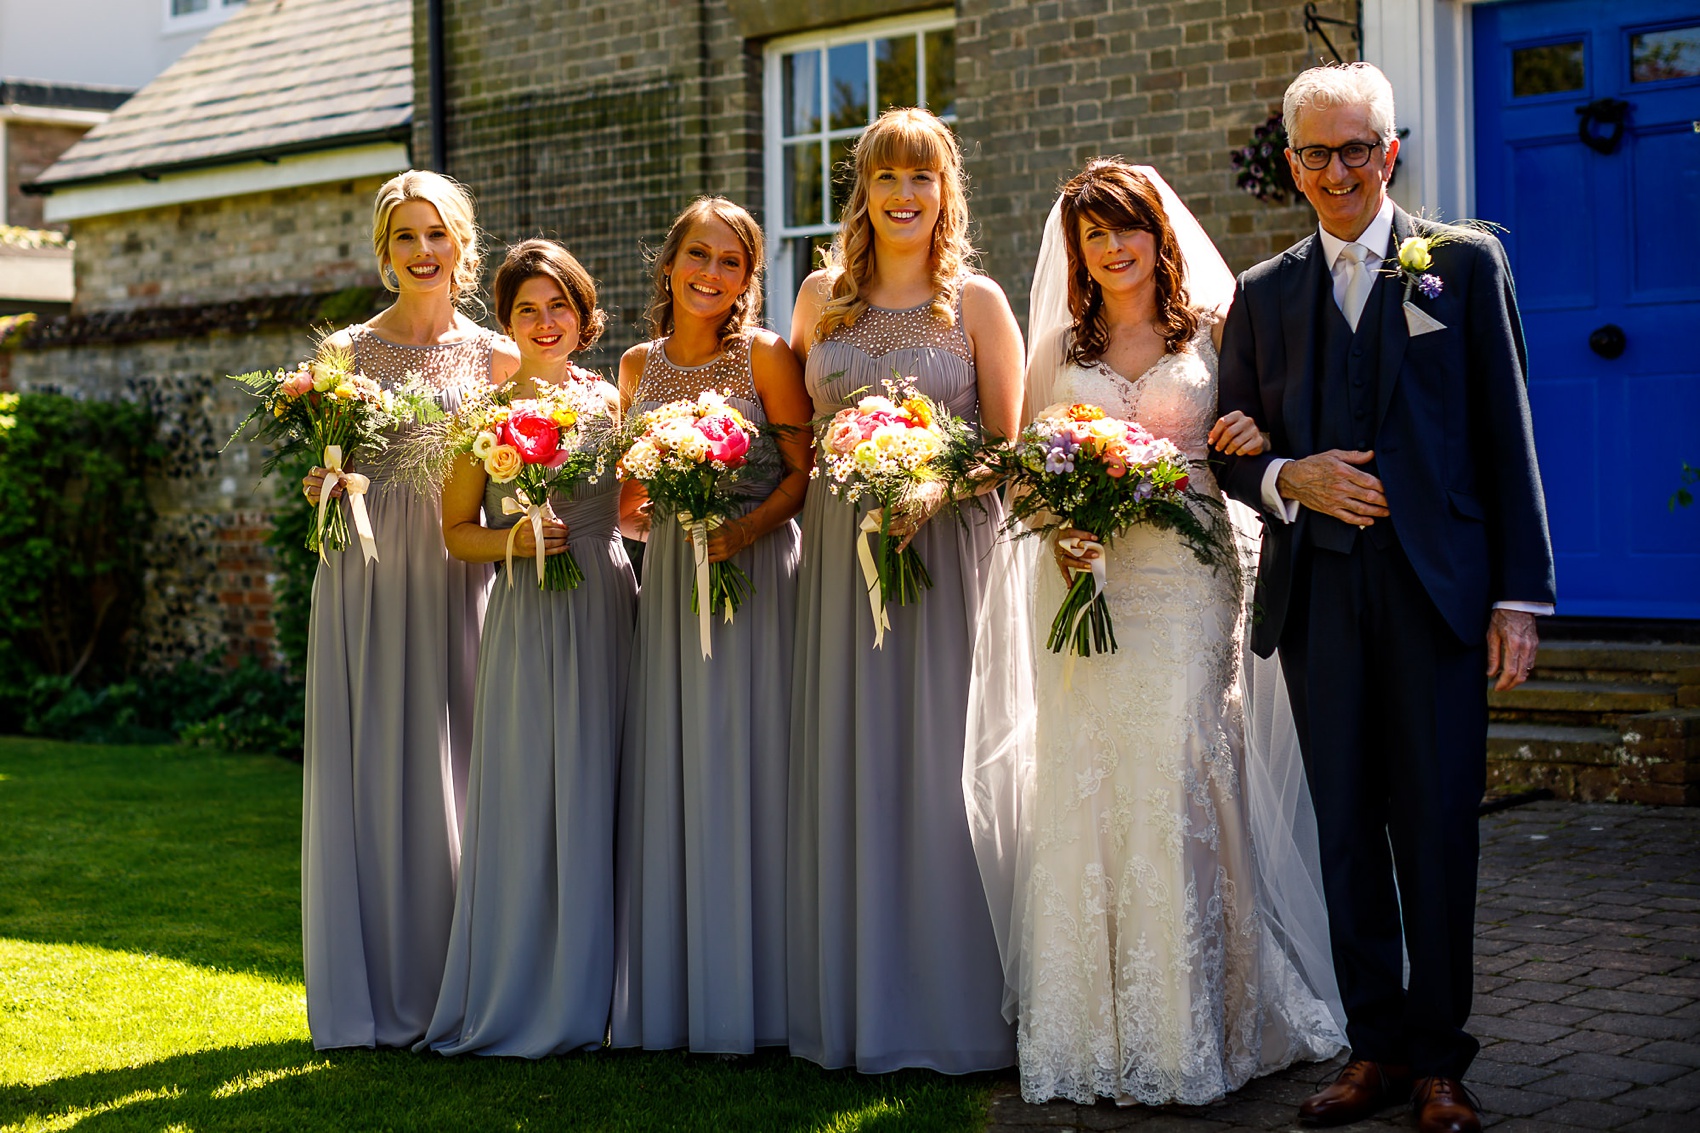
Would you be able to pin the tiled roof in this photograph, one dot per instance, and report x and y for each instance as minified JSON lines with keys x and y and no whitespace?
{"x":281,"y":76}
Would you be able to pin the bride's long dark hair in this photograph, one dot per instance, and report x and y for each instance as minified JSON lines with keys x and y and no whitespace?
{"x":1116,"y":195}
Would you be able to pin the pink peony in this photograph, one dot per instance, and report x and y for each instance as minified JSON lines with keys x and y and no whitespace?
{"x":842,"y":436}
{"x":727,"y":443}
{"x":534,"y":434}
{"x":872,"y":422}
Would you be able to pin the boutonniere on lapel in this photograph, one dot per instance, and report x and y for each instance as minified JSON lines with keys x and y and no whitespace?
{"x":1416,"y":256}
{"x":1412,"y":264}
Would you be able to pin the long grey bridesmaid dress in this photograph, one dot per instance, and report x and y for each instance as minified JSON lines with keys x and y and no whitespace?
{"x":701,"y":875}
{"x":892,"y":957}
{"x":392,"y":651}
{"x":531,"y":955}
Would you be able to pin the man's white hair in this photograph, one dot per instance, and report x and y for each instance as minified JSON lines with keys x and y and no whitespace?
{"x":1324,"y":88}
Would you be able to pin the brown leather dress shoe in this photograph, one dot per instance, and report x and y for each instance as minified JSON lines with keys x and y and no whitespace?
{"x":1443,"y":1105}
{"x":1361,"y":1089}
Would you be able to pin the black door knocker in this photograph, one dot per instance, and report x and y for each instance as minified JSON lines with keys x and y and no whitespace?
{"x":1608,"y":112}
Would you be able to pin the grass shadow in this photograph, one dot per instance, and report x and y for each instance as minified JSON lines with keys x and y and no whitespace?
{"x":287,"y":1085}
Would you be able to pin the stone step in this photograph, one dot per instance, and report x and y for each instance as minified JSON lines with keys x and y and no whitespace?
{"x":1554,"y":743}
{"x":1600,"y":699}
{"x":1617,"y":657}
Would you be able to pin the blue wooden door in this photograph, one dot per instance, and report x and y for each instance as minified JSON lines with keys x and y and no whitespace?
{"x":1603,"y":236}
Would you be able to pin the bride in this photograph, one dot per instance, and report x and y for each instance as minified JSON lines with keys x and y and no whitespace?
{"x":1160,"y":918}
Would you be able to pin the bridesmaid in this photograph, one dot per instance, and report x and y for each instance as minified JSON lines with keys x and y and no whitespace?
{"x":702,"y":795}
{"x":531,"y":956}
{"x":892,"y":956}
{"x":391,"y":652}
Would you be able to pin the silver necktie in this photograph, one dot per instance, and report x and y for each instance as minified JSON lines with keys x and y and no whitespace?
{"x":1358,"y":283}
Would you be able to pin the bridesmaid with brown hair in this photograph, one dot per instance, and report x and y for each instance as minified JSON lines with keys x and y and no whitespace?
{"x":392,"y":649}
{"x":531,"y":954}
{"x":701,"y":886}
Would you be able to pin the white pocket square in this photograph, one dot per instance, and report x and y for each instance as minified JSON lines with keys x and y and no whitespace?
{"x":1419,"y":321}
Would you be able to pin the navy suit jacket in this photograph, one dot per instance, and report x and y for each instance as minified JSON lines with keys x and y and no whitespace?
{"x":1454,"y":446}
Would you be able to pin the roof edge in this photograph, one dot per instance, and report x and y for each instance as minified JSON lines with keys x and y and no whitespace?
{"x":45,"y":186}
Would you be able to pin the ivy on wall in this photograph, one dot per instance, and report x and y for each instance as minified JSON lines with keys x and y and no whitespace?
{"x":74,"y":526}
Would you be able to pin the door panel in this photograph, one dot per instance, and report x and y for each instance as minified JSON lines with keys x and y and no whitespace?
{"x":1602,"y":239}
{"x":1567,"y":276}
{"x":1666,"y":216}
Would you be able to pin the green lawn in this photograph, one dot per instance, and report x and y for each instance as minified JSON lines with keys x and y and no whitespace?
{"x":150,"y":979}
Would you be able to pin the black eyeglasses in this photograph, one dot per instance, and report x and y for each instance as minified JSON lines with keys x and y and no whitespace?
{"x":1353,"y":155}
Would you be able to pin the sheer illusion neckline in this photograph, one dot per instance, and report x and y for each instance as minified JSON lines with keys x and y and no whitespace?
{"x":683,"y":369}
{"x":477,"y":334}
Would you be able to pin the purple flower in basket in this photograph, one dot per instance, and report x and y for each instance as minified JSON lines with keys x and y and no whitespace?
{"x":1429,"y":285}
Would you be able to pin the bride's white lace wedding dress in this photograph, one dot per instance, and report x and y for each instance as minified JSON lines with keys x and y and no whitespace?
{"x":1146,"y":968}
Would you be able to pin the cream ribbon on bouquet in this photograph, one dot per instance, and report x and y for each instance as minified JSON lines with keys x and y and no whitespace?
{"x":698,"y":530}
{"x":356,"y":486}
{"x":535,"y":514}
{"x":871,"y":576}
{"x":1079,"y":548}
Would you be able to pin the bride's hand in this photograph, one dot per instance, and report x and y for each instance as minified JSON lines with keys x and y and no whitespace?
{"x":914,"y":511}
{"x":1235,"y":434}
{"x":1070,"y":564}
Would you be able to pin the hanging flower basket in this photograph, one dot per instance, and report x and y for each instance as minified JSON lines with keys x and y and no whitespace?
{"x":1262,"y":164}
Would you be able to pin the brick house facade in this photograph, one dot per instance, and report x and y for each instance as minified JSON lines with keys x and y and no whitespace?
{"x":594,"y":121}
{"x":583,"y":119}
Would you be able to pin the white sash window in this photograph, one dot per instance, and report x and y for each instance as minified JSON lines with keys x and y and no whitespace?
{"x":822,"y":90}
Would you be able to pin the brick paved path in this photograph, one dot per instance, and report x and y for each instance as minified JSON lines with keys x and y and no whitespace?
{"x":1587,"y":980}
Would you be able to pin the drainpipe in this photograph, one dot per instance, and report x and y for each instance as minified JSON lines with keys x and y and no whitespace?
{"x":436,"y":71}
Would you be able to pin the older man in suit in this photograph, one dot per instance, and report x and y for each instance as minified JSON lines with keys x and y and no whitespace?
{"x":1405,"y":554}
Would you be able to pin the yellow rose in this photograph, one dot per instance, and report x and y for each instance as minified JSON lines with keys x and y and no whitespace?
{"x":503,"y":463}
{"x":565,"y":418}
{"x":1414,"y":254}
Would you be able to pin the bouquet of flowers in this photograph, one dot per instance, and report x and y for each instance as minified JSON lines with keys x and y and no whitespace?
{"x":326,"y":410}
{"x":1075,"y":466}
{"x":550,"y":442}
{"x":690,"y":456}
{"x":884,"y":447}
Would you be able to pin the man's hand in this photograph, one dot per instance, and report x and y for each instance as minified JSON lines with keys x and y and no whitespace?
{"x":1511,"y":644}
{"x":1328,"y":483}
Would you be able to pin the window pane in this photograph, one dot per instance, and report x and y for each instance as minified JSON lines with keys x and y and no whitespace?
{"x":185,"y":7}
{"x":847,"y":65}
{"x":1660,"y":55}
{"x":1549,"y":69}
{"x":843,"y":176}
{"x":802,"y":92}
{"x":802,"y":184}
{"x":894,"y":72}
{"x":806,"y":254}
{"x":941,"y":72}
